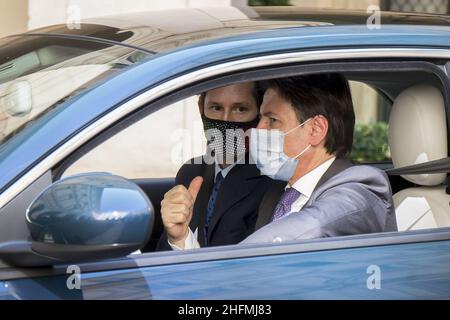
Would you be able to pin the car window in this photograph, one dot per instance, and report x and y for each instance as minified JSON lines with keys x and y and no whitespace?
{"x":370,"y":144}
{"x":159,"y":144}
{"x":38,"y":73}
{"x":154,"y":147}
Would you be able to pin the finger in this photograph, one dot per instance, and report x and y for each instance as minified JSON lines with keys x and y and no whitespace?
{"x":195,"y":186}
{"x":181,"y":198}
{"x":178,"y":188}
{"x":171,"y":209}
{"x":177,"y":218}
{"x":171,"y":226}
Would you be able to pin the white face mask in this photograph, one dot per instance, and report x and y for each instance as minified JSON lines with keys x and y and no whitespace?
{"x":267,"y":150}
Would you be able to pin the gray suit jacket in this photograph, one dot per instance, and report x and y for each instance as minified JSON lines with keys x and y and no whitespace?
{"x":348,"y":200}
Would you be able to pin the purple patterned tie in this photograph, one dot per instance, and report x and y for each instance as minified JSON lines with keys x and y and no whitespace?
{"x":284,"y":205}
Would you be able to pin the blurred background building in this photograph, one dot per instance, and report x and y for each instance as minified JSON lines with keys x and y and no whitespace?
{"x":21,"y":15}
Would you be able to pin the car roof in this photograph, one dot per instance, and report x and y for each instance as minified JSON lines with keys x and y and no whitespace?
{"x":165,"y":30}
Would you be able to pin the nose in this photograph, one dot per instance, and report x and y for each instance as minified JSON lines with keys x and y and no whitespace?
{"x":226,"y":115}
{"x":262,"y":124}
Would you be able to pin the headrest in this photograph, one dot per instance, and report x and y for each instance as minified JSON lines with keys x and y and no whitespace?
{"x":418,"y":131}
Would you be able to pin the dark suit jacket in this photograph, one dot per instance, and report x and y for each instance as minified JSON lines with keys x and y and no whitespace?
{"x":236,"y":206}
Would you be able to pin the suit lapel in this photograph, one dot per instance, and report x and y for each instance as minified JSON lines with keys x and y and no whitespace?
{"x":336,"y":167}
{"x":268,"y":203}
{"x":236,"y":186}
{"x":201,"y":204}
{"x":272,"y":197}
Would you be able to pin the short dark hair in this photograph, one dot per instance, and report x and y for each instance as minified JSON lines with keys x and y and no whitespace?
{"x":321,"y":94}
{"x":257,"y":91}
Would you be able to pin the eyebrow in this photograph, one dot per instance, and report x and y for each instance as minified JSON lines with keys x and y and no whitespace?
{"x":269,"y":114}
{"x":243,"y":103}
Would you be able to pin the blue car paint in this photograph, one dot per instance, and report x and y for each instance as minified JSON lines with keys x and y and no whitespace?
{"x":334,"y":274}
{"x":36,"y":141}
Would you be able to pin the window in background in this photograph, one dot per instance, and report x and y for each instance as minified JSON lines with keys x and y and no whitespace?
{"x":371,"y":126}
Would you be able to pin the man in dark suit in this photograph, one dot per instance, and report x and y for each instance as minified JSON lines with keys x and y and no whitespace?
{"x":216,"y":197}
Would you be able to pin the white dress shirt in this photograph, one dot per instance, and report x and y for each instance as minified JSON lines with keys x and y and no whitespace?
{"x":191,"y":241}
{"x":305,"y":185}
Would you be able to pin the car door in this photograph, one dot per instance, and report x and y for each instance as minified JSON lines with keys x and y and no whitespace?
{"x":358,"y":267}
{"x":155,"y":188}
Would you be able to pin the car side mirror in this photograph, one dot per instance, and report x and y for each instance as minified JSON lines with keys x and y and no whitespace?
{"x":90,"y":216}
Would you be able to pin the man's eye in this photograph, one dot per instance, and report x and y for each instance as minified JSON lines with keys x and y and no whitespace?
{"x":272,"y":120}
{"x":241,"y":109}
{"x":215,"y":108}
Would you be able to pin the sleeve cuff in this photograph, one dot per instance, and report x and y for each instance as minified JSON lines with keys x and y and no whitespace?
{"x":190,"y":242}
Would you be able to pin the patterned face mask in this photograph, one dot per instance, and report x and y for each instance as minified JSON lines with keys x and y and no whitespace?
{"x":227,"y":141}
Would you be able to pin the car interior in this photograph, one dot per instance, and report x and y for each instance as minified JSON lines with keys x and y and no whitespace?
{"x":417,"y":119}
{"x":417,"y":125}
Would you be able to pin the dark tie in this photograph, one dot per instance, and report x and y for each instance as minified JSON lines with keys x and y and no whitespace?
{"x":212,"y":203}
{"x":285,"y":203}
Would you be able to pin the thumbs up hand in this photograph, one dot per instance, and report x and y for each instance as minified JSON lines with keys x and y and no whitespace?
{"x":176,"y":211}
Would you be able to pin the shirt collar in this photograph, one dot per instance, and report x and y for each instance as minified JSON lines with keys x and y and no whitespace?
{"x":306,"y":184}
{"x":226,"y":170}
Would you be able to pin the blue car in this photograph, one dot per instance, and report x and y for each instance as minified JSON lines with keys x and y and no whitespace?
{"x":96,"y":119}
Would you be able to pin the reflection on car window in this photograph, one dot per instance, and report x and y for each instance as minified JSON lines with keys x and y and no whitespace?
{"x":37,"y":73}
{"x":154,"y":147}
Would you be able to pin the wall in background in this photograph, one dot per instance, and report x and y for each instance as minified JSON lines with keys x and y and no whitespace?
{"x":22,"y":15}
{"x":336,"y":4}
{"x":60,"y":9}
{"x":13,"y":16}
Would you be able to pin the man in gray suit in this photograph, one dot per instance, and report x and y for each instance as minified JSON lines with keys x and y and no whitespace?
{"x":303,"y":139}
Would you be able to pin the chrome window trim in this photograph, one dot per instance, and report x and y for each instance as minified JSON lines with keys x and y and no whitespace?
{"x":171,"y":85}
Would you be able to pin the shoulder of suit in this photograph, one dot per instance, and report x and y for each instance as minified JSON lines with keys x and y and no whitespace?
{"x":365,"y":180}
{"x":361,"y":174}
{"x":195,"y":161}
{"x":248,"y":171}
{"x":368,"y":169}
{"x":190,"y":169}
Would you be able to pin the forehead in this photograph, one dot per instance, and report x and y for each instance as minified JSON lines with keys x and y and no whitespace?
{"x":274,"y":103}
{"x":231,"y":92}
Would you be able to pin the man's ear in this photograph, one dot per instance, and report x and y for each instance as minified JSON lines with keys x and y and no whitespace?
{"x":319,"y":130}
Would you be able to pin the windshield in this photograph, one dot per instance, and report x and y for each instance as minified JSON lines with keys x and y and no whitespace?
{"x":37,"y":73}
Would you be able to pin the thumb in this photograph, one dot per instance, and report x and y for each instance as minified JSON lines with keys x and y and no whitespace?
{"x":194,"y":187}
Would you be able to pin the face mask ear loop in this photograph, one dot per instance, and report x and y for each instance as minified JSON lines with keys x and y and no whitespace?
{"x":300,"y":125}
{"x":301,"y":153}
